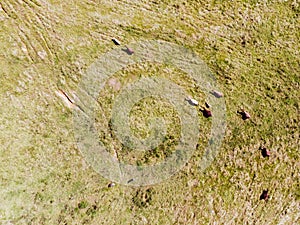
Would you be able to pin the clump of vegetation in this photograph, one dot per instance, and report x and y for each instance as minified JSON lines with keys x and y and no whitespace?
{"x":143,"y":198}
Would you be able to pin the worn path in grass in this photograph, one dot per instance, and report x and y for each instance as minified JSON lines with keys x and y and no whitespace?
{"x":252,"y":47}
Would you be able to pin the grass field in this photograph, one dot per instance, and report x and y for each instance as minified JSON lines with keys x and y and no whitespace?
{"x":251,"y":47}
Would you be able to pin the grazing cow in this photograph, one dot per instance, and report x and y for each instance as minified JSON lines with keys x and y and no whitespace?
{"x":217,"y":94}
{"x":116,"y":41}
{"x":129,"y":51}
{"x":264,"y":195}
{"x":245,"y":115}
{"x":192,"y":101}
{"x":207,"y":105}
{"x":111,"y":184}
{"x":206,"y":113}
{"x":265,"y":152}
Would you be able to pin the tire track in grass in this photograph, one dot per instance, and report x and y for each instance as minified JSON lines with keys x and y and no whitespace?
{"x":41,"y":29}
{"x":21,"y":35}
{"x":31,"y":26}
{"x":43,"y":24}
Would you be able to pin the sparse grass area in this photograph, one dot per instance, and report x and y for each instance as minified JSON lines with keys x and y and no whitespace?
{"x":143,"y":111}
{"x":252,"y":47}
